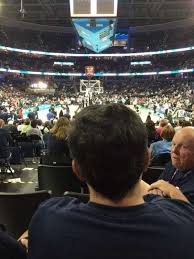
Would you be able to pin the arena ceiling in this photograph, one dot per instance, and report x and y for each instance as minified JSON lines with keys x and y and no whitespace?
{"x":130,"y":12}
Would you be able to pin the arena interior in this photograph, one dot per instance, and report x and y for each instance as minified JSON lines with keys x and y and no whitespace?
{"x":58,"y":57}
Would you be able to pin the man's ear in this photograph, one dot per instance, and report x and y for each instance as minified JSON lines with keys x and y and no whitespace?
{"x":76,"y":170}
{"x":146,"y":160}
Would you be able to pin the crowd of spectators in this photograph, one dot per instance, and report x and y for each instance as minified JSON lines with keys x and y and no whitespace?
{"x":162,"y":97}
{"x":89,"y":127}
{"x":58,"y":42}
{"x":109,"y":64}
{"x":108,"y":147}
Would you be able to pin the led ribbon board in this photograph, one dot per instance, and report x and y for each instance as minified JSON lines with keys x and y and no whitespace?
{"x":135,"y":63}
{"x":180,"y":71}
{"x":58,"y":63}
{"x":119,"y":55}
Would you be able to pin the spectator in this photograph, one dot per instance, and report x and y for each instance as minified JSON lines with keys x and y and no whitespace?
{"x":11,"y":127}
{"x":180,"y":172}
{"x":151,"y":131}
{"x":162,"y":124}
{"x":5,"y":140}
{"x":10,"y":248}
{"x":163,"y":146}
{"x":50,"y":115}
{"x":31,"y":115}
{"x":34,"y":130}
{"x":26,"y":126}
{"x":57,"y":141}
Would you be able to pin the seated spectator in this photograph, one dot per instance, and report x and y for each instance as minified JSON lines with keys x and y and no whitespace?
{"x":108,"y":144}
{"x":40,"y":125}
{"x":26,"y":126}
{"x":57,"y":141}
{"x":46,"y":127}
{"x":163,"y":146}
{"x":31,"y":115}
{"x":11,"y":127}
{"x":45,"y":131}
{"x":180,"y":172}
{"x":5,"y":141}
{"x":179,"y":125}
{"x":10,"y":248}
{"x":162,"y":123}
{"x":151,"y":131}
{"x":186,"y":124}
{"x":34,"y":130}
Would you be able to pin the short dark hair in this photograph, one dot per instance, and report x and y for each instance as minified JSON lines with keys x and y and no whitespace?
{"x":109,"y":143}
{"x":34,"y":123}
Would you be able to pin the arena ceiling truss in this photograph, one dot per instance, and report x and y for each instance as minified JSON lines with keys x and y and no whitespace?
{"x":130,"y":12}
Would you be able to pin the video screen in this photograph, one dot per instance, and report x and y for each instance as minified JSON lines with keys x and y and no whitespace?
{"x":121,"y":40}
{"x":105,"y":6}
{"x":97,"y":35}
{"x":91,"y":8}
{"x":82,"y":7}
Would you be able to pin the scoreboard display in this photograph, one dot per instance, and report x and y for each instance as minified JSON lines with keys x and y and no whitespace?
{"x":95,"y":35}
{"x":89,"y":71}
{"x":93,"y":8}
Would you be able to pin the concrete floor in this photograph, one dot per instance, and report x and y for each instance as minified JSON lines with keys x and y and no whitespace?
{"x":24,"y":179}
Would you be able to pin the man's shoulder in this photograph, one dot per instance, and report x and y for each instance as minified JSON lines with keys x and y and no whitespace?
{"x":169,"y":168}
{"x":4,"y":132}
{"x":157,"y":143}
{"x":175,"y":210}
{"x":58,"y":204}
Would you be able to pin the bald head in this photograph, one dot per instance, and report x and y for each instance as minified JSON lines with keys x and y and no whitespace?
{"x":187,"y":131}
{"x":182,"y":153}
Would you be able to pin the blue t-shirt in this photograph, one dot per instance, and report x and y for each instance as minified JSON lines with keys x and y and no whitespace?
{"x":65,"y":228}
{"x":160,"y":147}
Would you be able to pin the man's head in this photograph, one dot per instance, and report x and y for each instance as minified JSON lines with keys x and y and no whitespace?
{"x":163,"y":123}
{"x":182,"y":153}
{"x":108,"y":144}
{"x":167,"y":133}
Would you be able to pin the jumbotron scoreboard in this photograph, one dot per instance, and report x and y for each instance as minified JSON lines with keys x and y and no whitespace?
{"x":95,"y":22}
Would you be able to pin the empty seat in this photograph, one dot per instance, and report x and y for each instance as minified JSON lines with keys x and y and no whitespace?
{"x":161,"y":159}
{"x":17,"y":210}
{"x":58,"y":179}
{"x":152,"y":174}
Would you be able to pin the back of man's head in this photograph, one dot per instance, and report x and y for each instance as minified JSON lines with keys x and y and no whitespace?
{"x":109,"y":144}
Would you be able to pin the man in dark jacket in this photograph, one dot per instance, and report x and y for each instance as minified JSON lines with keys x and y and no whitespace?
{"x":180,"y":172}
{"x":10,"y":248}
